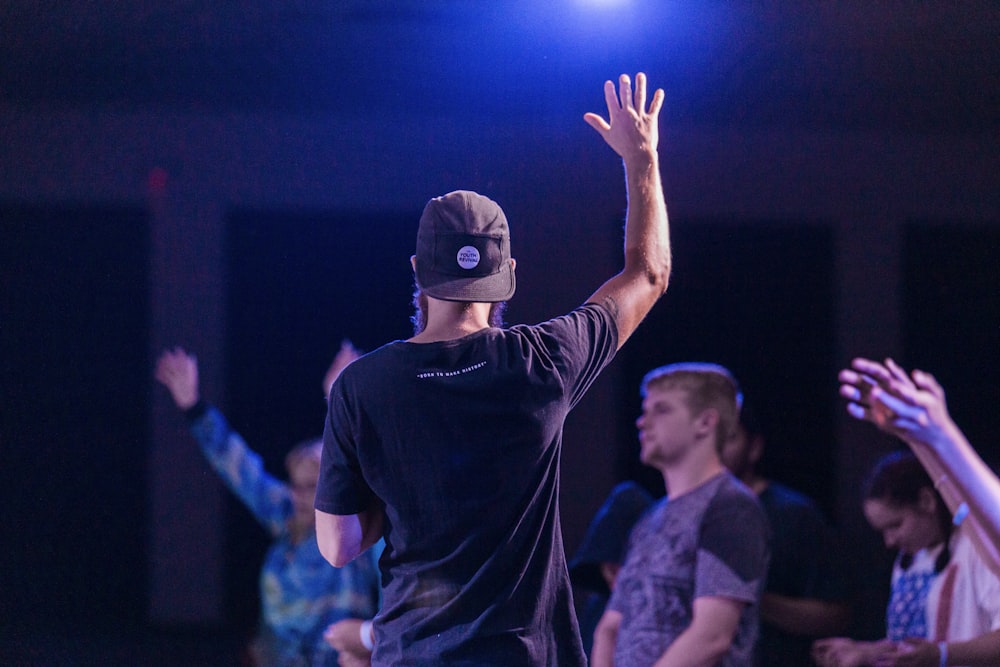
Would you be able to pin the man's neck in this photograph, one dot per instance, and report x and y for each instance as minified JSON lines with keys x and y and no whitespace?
{"x":688,"y":475}
{"x":448,"y":320}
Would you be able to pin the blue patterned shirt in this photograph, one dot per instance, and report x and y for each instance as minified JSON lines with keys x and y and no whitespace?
{"x":301,"y":593}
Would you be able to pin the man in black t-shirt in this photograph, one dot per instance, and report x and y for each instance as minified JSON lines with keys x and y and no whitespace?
{"x":806,"y":593}
{"x":447,"y":444}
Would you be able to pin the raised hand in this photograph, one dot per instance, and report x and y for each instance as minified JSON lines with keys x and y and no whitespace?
{"x":631,"y":129}
{"x":178,"y":372}
{"x":345,"y":355}
{"x":911,"y":407}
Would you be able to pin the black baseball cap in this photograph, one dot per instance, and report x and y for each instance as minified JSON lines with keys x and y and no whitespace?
{"x":463,"y":249}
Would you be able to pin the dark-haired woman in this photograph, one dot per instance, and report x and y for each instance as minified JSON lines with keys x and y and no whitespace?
{"x":944,"y":606}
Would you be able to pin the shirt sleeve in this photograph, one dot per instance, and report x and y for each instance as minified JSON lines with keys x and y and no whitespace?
{"x":582,"y":343}
{"x":242,"y":469}
{"x":342,"y":488}
{"x":732,"y":552}
{"x":987,"y":588}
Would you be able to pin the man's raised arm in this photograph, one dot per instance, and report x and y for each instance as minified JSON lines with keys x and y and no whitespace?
{"x":631,"y":130}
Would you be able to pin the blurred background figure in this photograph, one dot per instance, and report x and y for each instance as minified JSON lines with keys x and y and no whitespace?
{"x":805,"y":596}
{"x":944,"y":604}
{"x":595,"y":565}
{"x":301,"y":594}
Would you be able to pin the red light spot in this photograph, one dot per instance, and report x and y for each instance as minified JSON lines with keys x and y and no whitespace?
{"x":157,"y":181}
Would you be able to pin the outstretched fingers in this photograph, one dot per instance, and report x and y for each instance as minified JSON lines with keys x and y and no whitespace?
{"x":928,"y":383}
{"x":656,"y":103}
{"x":611,"y":99}
{"x":896,"y":371}
{"x":871,"y":368}
{"x":625,"y":92}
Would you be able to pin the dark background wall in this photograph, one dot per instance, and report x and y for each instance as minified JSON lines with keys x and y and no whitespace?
{"x":247,"y":186}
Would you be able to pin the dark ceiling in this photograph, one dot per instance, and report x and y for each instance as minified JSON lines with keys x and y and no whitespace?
{"x":872,"y":64}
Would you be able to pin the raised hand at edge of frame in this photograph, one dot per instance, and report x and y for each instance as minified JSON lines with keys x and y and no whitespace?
{"x":631,"y":128}
{"x":910,"y":407}
{"x":345,"y":355}
{"x":178,"y":372}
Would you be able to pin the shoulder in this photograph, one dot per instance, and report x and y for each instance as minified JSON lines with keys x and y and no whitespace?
{"x":729,"y":490}
{"x":735,"y":529}
{"x":780,"y":494}
{"x":364,"y":367}
{"x":589,"y":318}
{"x":780,"y":500}
{"x":734,"y":510}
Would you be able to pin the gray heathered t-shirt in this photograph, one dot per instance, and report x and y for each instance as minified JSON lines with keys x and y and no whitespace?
{"x":711,"y":541}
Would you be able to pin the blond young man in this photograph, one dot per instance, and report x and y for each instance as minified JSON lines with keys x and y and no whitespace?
{"x":689,"y":589}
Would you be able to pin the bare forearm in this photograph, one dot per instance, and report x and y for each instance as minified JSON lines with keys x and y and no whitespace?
{"x":961,"y":476}
{"x":647,"y":229}
{"x":693,"y":650}
{"x":646,"y":225}
{"x":983,"y":650}
{"x":633,"y":292}
{"x":602,"y":654}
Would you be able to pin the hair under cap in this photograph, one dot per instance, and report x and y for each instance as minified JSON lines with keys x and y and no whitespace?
{"x":463,"y":249}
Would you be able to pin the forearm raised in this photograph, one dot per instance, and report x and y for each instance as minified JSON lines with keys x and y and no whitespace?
{"x":631,"y":130}
{"x":647,"y":230}
{"x":647,"y":254}
{"x":961,"y":476}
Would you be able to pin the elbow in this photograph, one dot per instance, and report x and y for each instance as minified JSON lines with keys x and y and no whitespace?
{"x":659,"y":278}
{"x":334,"y":555}
{"x":717,"y":645}
{"x":334,"y":544}
{"x":658,"y":270}
{"x":718,"y":650}
{"x":339,"y":561}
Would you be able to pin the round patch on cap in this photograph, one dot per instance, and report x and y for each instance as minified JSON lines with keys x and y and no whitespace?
{"x":468,"y":257}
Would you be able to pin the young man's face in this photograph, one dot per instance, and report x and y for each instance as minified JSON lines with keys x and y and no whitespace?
{"x":667,"y":428}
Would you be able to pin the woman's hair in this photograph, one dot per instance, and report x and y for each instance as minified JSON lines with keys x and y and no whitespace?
{"x":897,"y":480}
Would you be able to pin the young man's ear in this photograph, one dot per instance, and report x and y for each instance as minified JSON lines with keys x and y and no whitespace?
{"x":755,"y":449}
{"x":707,"y":421}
